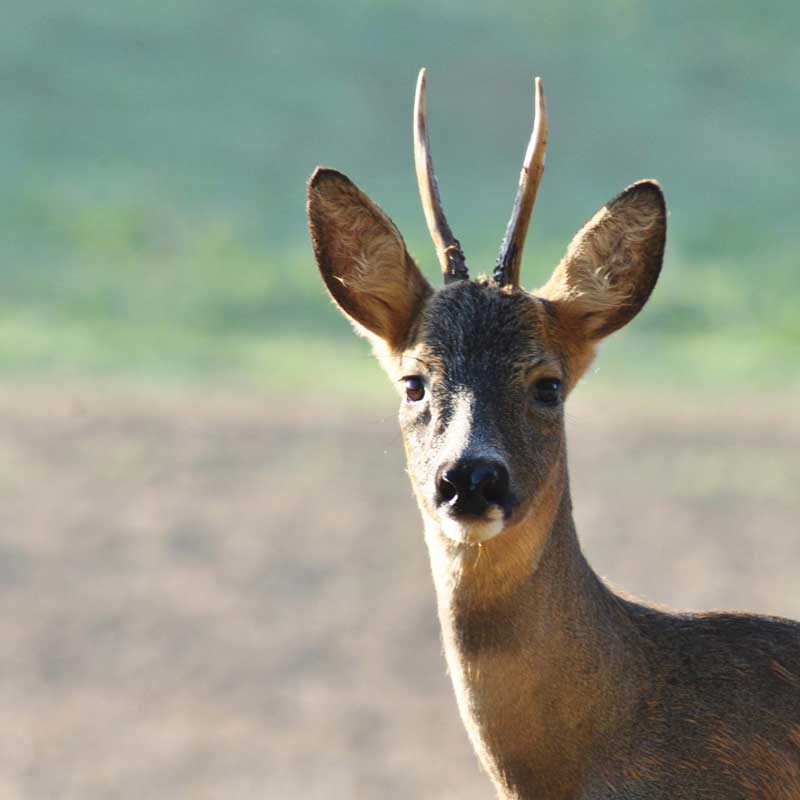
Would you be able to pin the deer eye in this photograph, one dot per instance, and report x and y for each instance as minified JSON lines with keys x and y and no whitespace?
{"x":415,"y":388}
{"x":548,"y":391}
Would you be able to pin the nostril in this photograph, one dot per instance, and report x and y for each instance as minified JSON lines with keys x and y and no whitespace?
{"x":447,"y":486}
{"x":471,"y":486}
{"x":481,"y":478}
{"x":495,"y":495}
{"x":491,"y":482}
{"x":490,"y":492}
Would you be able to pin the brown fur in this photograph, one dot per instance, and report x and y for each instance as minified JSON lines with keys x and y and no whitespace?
{"x":566,"y":688}
{"x":363,"y":258}
{"x":605,"y":277}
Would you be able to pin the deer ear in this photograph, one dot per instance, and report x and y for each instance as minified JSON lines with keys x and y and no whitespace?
{"x":362,"y":258}
{"x":612,"y":264}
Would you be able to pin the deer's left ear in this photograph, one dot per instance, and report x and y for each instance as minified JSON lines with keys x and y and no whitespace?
{"x":612,"y":264}
{"x":362,"y":259}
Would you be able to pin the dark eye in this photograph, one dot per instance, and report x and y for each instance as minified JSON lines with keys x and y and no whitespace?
{"x":415,"y":388}
{"x":548,"y":391}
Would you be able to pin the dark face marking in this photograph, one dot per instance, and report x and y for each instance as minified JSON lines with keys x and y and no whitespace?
{"x":480,"y":351}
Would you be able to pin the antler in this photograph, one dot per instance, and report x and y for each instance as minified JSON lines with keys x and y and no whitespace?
{"x":509,"y":259}
{"x":448,"y":248}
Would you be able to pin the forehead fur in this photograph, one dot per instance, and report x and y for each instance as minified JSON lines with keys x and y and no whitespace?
{"x":475,"y":327}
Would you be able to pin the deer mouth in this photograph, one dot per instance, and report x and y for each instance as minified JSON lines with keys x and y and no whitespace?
{"x":472,"y":529}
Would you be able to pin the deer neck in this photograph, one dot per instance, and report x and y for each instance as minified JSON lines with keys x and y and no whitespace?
{"x":537,"y":648}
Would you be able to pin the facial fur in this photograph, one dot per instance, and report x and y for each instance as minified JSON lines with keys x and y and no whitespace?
{"x":480,"y":351}
{"x":480,"y":439}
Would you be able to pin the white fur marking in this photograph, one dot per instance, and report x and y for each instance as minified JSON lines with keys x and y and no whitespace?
{"x":473,"y":532}
{"x":459,"y":433}
{"x":460,"y":427}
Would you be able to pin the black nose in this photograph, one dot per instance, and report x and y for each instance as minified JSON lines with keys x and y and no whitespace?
{"x":471,"y":486}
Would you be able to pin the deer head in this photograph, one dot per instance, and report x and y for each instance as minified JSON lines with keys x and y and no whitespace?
{"x":483,"y":366}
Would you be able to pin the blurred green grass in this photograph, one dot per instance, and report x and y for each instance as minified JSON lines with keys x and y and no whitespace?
{"x":154,"y":159}
{"x":158,"y":296}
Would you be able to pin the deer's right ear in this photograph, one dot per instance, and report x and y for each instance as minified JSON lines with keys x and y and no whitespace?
{"x":362,"y":258}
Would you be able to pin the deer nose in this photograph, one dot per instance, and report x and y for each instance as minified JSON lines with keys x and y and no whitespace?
{"x":471,"y":486}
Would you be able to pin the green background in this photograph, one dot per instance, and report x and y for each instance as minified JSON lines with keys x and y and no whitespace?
{"x":154,"y":159}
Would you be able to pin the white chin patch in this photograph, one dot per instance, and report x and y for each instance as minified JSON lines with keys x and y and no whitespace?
{"x":473,"y":531}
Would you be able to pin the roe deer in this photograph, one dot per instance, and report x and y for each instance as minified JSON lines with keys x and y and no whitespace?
{"x":566,"y":689}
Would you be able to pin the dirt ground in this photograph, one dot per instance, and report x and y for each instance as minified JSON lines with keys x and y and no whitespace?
{"x":228,"y":596}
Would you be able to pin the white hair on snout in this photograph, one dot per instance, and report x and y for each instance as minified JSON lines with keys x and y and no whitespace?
{"x":459,"y":430}
{"x":473,"y":531}
{"x":459,"y":440}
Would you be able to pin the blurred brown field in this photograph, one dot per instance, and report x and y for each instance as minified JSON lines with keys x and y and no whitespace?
{"x":226,"y":594}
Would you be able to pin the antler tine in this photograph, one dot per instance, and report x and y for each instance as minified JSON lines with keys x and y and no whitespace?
{"x":509,"y":259}
{"x":448,"y":248}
